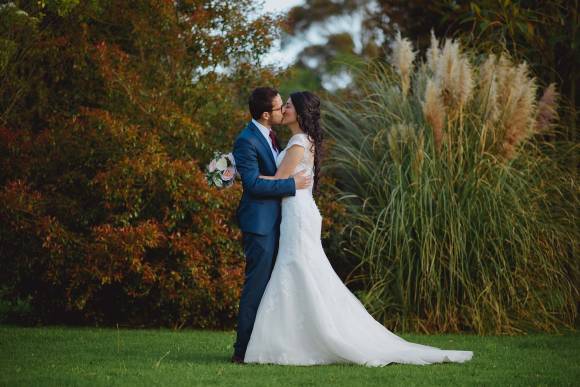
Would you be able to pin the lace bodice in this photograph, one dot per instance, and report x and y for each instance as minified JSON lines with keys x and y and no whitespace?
{"x":307,"y":162}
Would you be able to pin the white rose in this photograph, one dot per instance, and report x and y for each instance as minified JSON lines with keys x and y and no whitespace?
{"x":222,"y":164}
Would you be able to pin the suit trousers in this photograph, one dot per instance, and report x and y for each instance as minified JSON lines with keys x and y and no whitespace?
{"x":260,"y":252}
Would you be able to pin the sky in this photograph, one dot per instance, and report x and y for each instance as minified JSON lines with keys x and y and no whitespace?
{"x":280,"y":5}
{"x":284,"y":56}
{"x":278,"y":56}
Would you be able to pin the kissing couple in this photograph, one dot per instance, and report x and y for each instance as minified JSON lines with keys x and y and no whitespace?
{"x":294,"y":309}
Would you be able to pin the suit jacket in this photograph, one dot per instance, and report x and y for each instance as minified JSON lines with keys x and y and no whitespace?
{"x":259,"y":209}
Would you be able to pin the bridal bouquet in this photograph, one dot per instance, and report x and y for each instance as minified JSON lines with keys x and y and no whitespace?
{"x":221,"y":171}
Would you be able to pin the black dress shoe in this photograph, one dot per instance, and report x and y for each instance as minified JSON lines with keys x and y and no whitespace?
{"x":237,"y":359}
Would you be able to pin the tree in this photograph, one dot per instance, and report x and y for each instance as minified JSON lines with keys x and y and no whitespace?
{"x":543,"y":34}
{"x":108,"y":111}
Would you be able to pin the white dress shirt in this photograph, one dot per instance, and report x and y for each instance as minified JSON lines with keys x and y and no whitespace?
{"x":266,"y":132}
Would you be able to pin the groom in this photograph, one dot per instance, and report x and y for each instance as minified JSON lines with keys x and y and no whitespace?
{"x":259,"y":213}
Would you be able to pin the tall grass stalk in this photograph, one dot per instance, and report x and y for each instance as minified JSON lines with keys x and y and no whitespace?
{"x":460,"y":220}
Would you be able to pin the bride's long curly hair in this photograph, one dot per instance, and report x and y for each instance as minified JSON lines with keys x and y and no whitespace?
{"x":307,"y":107}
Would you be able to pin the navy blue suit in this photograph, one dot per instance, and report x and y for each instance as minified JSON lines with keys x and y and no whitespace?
{"x":258,"y":216}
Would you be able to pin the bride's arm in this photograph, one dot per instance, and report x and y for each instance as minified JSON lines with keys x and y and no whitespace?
{"x":293,"y":156}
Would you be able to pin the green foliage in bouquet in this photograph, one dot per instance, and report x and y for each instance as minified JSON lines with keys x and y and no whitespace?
{"x":221,"y":171}
{"x":461,"y":221}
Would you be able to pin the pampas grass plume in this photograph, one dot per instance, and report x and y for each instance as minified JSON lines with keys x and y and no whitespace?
{"x":547,"y":112}
{"x":434,"y":111}
{"x":402,"y":60}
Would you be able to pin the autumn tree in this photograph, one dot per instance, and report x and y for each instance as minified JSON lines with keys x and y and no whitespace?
{"x":108,"y":111}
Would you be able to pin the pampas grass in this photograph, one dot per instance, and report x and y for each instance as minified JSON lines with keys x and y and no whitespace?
{"x":434,"y":111}
{"x":547,"y":113}
{"x":402,"y":60}
{"x":459,"y":220}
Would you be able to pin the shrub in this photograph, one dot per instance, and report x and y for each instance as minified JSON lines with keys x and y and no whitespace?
{"x":461,"y":220}
{"x":108,"y":112}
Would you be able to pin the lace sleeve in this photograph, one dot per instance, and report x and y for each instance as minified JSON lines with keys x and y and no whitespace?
{"x":302,"y":140}
{"x":298,"y":139}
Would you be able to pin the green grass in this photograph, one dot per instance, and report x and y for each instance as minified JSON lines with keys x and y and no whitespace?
{"x":94,"y":356}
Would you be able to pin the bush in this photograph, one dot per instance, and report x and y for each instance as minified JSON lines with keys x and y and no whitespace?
{"x":461,"y":220}
{"x":15,"y":311}
{"x":144,"y":241}
{"x":108,"y":113}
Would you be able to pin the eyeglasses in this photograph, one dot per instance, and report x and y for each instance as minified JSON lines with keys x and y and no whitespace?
{"x":280,"y":108}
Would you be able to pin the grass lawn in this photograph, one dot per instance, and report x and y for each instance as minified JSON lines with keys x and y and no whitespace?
{"x":62,"y":356}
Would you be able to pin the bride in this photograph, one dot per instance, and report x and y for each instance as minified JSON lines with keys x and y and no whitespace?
{"x":307,"y":315}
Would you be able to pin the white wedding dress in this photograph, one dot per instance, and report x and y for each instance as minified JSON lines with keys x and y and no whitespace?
{"x":307,"y":315}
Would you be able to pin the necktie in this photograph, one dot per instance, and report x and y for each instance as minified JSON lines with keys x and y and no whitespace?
{"x":274,"y":141}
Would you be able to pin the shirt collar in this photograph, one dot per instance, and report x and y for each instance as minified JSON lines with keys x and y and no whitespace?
{"x":265,"y":131}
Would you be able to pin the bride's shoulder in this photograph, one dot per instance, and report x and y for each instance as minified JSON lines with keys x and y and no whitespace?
{"x":300,"y":138}
{"x":303,"y":140}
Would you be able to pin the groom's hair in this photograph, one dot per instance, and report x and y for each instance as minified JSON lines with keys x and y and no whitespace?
{"x":261,"y":101}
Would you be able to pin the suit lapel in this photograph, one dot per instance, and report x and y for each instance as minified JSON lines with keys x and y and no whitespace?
{"x":264,"y":142}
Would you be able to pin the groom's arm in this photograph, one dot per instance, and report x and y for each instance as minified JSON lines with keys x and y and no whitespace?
{"x":247,"y":165}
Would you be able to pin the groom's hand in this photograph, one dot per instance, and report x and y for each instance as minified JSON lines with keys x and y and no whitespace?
{"x":302,"y":181}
